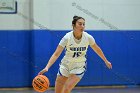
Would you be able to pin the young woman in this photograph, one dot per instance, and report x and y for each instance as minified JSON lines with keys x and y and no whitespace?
{"x":73,"y":64}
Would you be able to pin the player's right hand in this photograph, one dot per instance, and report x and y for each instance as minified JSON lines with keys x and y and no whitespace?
{"x":43,"y":71}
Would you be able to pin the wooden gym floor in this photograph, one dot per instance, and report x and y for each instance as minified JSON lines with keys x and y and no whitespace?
{"x":94,"y":89}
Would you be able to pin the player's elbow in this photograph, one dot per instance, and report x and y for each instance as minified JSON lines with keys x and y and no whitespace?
{"x":56,"y":54}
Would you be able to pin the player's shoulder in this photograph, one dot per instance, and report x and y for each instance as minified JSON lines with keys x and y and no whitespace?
{"x":87,"y":34}
{"x":68,"y":34}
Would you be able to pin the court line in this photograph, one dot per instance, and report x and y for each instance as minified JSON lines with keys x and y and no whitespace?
{"x":77,"y":87}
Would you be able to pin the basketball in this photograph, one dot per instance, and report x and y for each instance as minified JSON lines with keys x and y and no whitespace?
{"x":40,"y":83}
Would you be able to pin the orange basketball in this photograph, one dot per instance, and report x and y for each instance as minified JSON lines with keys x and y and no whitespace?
{"x":40,"y":83}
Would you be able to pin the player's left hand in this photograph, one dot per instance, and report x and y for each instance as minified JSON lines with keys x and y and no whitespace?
{"x":108,"y":64}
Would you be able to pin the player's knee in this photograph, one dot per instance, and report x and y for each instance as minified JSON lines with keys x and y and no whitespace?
{"x":67,"y":88}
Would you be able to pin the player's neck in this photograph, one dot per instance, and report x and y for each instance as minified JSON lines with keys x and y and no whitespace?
{"x":77,"y":35}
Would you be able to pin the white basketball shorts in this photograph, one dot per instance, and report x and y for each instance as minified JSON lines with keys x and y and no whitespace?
{"x":66,"y":68}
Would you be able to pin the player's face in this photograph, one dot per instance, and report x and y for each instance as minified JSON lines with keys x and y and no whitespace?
{"x":80,"y":25}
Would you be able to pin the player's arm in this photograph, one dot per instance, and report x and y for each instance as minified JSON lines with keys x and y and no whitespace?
{"x":98,"y":50}
{"x":55,"y":55}
{"x":53,"y":58}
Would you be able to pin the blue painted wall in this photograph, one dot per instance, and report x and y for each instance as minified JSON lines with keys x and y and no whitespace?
{"x":24,"y":53}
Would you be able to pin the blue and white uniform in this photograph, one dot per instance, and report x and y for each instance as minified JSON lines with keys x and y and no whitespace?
{"x":74,"y":61}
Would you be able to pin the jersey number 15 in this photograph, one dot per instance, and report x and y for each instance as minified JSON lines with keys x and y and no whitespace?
{"x":76,"y":54}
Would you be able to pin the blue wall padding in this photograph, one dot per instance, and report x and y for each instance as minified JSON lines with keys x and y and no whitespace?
{"x":24,"y":53}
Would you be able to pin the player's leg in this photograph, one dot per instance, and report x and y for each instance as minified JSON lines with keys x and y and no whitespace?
{"x":59,"y":83}
{"x":77,"y":72}
{"x":71,"y":83}
{"x":61,"y":79}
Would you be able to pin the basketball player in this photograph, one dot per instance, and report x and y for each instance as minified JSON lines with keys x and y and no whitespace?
{"x":73,"y":64}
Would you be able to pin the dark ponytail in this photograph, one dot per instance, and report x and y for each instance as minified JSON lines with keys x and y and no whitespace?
{"x":75,"y":18}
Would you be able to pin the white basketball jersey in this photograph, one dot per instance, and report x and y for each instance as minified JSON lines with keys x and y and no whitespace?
{"x":76,"y":51}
